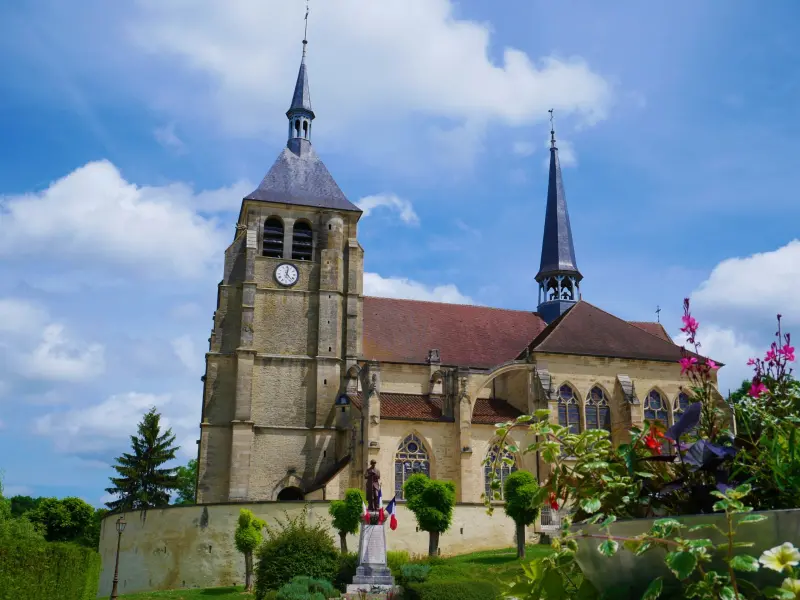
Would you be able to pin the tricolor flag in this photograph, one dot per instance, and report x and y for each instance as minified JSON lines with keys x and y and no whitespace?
{"x":381,"y":511}
{"x":392,"y":510}
{"x":366,"y":513}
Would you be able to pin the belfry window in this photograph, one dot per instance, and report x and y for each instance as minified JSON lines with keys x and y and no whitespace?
{"x":411,"y":458}
{"x":506,"y":466}
{"x":273,"y":238}
{"x":597,"y":412}
{"x":302,"y":241}
{"x":568,"y":413}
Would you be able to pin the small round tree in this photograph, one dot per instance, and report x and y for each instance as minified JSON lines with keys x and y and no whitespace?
{"x":521,"y":492}
{"x":347,"y":514}
{"x":247,"y":538}
{"x":432,"y":503}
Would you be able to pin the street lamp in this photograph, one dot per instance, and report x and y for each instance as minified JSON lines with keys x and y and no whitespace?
{"x":120,"y":528}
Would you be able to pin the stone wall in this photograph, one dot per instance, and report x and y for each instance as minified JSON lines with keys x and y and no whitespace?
{"x":192,"y":546}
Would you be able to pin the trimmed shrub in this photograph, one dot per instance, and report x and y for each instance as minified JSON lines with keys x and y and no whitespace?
{"x":32,"y":569}
{"x":348,"y":563}
{"x":395,"y":559}
{"x":452,"y":590}
{"x":414,"y":573}
{"x":306,"y":588}
{"x":295,"y":548}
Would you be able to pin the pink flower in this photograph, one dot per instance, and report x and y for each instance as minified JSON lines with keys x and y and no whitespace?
{"x":690,"y":324}
{"x":751,"y":362}
{"x":788,"y":352}
{"x":757,"y":388}
{"x":771,"y":356}
{"x":711,"y":364}
{"x":687,"y":364}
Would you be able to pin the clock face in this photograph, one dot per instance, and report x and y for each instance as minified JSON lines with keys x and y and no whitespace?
{"x":286,"y":274}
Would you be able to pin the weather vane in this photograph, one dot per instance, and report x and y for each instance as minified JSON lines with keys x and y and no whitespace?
{"x":552,"y":130}
{"x":658,"y":313}
{"x":305,"y":32}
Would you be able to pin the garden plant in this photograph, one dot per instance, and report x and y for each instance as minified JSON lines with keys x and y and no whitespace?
{"x":432,"y":503}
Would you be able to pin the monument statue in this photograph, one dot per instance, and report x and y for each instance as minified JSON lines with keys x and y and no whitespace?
{"x":373,"y":477}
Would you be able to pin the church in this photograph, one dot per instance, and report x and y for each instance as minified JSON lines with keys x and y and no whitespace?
{"x":307,"y":379}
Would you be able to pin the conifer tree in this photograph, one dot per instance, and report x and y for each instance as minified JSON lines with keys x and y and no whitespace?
{"x":142,"y":481}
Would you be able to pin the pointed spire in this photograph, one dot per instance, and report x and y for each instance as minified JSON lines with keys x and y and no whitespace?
{"x":558,"y":275}
{"x":301,"y":99}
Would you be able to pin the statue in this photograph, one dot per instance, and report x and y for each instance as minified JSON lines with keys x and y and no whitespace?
{"x":373,"y":477}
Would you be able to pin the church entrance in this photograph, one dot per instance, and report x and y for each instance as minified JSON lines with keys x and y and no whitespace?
{"x":290,"y":493}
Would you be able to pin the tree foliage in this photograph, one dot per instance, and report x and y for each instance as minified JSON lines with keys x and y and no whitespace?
{"x":142,"y":481}
{"x":187,"y":483}
{"x":347,"y":514}
{"x":432,"y":503}
{"x":64,"y":520}
{"x":247,"y":538}
{"x":21,"y":505}
{"x":522,"y":496}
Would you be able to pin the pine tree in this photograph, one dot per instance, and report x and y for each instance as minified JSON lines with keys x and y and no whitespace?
{"x":142,"y":483}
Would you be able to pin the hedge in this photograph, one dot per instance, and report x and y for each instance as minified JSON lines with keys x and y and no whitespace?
{"x":452,"y":590}
{"x":35,"y":569}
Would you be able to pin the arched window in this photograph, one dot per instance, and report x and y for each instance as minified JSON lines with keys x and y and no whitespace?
{"x":682,"y":402}
{"x":568,"y":413}
{"x":273,"y":238}
{"x":654,"y":407}
{"x":411,"y":458}
{"x":504,"y":469}
{"x":301,"y":241}
{"x":598,"y":415}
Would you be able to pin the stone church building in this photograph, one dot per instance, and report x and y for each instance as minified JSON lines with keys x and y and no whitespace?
{"x":307,"y":379}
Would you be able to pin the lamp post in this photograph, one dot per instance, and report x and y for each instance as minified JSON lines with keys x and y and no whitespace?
{"x":120,"y":528}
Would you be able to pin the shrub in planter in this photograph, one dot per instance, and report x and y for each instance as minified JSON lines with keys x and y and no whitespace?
{"x":453,"y":590}
{"x":293,"y":548}
{"x":395,"y":559}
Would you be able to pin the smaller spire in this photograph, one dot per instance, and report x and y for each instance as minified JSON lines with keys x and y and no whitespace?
{"x":300,"y":114}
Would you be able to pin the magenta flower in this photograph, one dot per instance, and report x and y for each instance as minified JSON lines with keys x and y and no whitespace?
{"x":687,"y":364}
{"x":757,"y":388}
{"x":788,"y":352}
{"x":711,"y":364}
{"x":772,"y":355}
{"x":690,"y":324}
{"x":751,"y":362}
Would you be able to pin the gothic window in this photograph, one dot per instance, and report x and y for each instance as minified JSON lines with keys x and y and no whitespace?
{"x":682,"y":402}
{"x":273,"y":238}
{"x":411,"y":458}
{"x":503,"y":470}
{"x":654,"y":407}
{"x":301,"y":241}
{"x":568,"y":413}
{"x":598,"y":415}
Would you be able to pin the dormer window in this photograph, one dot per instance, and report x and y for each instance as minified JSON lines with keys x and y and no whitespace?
{"x":302,"y":241}
{"x":273,"y":238}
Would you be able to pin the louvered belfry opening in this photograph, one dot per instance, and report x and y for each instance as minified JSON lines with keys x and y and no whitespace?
{"x":273,"y":238}
{"x":302,"y":241}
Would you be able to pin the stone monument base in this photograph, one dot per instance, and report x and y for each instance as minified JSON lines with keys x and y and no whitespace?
{"x":373,"y":574}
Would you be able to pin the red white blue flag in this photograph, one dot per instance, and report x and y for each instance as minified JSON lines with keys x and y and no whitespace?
{"x":381,"y":511}
{"x":392,"y":510}
{"x":366,"y":512}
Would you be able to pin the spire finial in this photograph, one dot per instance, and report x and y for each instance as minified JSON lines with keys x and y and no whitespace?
{"x":552,"y":130}
{"x":305,"y":33}
{"x":658,"y":313}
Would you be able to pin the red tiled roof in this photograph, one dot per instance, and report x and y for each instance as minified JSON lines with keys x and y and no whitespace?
{"x":493,"y":410}
{"x":408,"y":407}
{"x":403,"y":331}
{"x":588,"y":331}
{"x":656,"y":329}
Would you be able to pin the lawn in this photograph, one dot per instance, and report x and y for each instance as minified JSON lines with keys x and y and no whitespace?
{"x":490,"y":564}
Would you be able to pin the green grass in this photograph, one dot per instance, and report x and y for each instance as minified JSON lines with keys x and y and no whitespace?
{"x":486,"y":565}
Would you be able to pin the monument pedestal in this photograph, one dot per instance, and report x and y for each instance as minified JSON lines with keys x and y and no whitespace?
{"x":373,"y":574}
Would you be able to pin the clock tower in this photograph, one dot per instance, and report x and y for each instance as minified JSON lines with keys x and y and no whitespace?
{"x":288,"y":326}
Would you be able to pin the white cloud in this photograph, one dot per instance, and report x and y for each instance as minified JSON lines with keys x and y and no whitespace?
{"x":523,"y":148}
{"x":94,"y":216}
{"x":167,"y":137}
{"x":57,"y":358}
{"x":421,"y":60}
{"x":20,"y":316}
{"x":402,"y":207}
{"x":106,"y":427}
{"x":566,"y":154}
{"x":186,"y":352}
{"x":400,"y":287}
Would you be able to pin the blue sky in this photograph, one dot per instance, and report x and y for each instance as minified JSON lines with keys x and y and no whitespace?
{"x":128,"y":136}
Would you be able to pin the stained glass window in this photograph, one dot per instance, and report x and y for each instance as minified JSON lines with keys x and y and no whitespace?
{"x":411,"y":458}
{"x":502,"y":471}
{"x":598,"y":415}
{"x":681,"y":403}
{"x":568,"y":412}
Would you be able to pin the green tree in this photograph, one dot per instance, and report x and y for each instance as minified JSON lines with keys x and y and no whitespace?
{"x":742,"y":392}
{"x":143,"y":482}
{"x":347,"y":514}
{"x":432,"y":503}
{"x":521,"y":493}
{"x":187,"y":483}
{"x":23,"y":504}
{"x":247,"y":538}
{"x":64,"y":520}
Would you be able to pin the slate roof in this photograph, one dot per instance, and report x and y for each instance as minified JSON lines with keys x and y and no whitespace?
{"x":299,"y":177}
{"x":301,"y":98}
{"x":490,"y":411}
{"x":403,"y":331}
{"x":558,"y":250}
{"x":413,"y":407}
{"x":589,"y":331}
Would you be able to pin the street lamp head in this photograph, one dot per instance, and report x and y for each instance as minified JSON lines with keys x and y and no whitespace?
{"x":121,"y":525}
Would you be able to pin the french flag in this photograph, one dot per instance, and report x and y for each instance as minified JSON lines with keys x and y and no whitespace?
{"x":392,"y":510}
{"x":366,"y":513}
{"x":381,"y":512}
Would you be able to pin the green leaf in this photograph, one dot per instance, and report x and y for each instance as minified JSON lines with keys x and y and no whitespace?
{"x":644,"y":474}
{"x":744,"y":562}
{"x":721,"y":505}
{"x":587,"y":591}
{"x":594,"y":518}
{"x":740,"y":491}
{"x":667,"y":523}
{"x":703,"y":526}
{"x":590,"y":505}
{"x":654,"y":589}
{"x":608,"y":548}
{"x":553,"y":585}
{"x":608,"y":521}
{"x":727,"y":593}
{"x":751,"y":519}
{"x":703,"y":543}
{"x":682,"y":564}
{"x":781,"y":593}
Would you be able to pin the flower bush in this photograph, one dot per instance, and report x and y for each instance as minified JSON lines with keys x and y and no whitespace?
{"x":708,"y":461}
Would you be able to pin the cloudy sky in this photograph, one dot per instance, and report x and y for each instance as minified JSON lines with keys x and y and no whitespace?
{"x":129,"y":133}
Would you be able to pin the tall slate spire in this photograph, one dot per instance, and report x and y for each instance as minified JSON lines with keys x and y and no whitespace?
{"x":558,"y":275}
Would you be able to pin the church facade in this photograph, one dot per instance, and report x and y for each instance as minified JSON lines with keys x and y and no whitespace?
{"x":307,"y":379}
